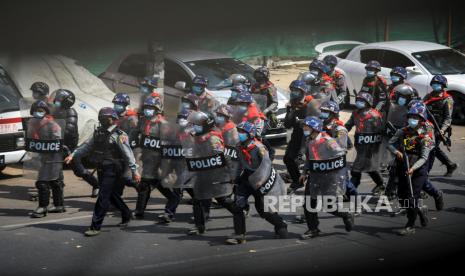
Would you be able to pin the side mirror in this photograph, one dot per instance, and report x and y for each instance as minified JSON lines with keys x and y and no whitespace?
{"x":181,"y":85}
{"x":413,"y":70}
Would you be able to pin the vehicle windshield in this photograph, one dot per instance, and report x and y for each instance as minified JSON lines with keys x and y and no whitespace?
{"x":9,"y":97}
{"x":443,"y":62}
{"x":218,"y":71}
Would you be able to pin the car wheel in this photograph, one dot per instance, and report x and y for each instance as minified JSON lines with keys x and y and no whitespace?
{"x":458,"y":115}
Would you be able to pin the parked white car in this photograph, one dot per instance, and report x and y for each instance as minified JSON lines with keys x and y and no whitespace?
{"x":421,"y":59}
{"x":62,"y":72}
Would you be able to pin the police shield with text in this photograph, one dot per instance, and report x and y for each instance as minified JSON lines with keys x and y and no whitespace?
{"x":258,"y":178}
{"x":325,"y":172}
{"x":44,"y":161}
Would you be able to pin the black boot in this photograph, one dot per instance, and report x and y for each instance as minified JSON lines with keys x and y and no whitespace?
{"x":423,"y":214}
{"x":40,"y":212}
{"x":439,"y":201}
{"x":348,"y":219}
{"x":450,"y":170}
{"x":58,"y":198}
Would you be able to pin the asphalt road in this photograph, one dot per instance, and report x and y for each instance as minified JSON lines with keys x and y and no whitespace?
{"x":55,"y":245}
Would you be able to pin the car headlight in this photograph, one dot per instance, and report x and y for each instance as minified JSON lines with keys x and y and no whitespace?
{"x":20,"y":143}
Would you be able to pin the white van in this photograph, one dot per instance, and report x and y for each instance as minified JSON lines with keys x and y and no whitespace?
{"x":11,"y":126}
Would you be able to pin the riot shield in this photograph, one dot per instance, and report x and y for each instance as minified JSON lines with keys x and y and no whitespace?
{"x":266,"y":179}
{"x":44,"y":145}
{"x":261,"y":100}
{"x":208,"y":165}
{"x":231,"y":140}
{"x":174,"y":169}
{"x":150,"y":144}
{"x":237,"y":114}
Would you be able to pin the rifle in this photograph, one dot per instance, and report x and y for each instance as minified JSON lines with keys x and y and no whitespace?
{"x":445,"y":140}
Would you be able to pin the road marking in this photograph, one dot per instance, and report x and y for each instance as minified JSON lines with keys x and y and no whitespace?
{"x":42,"y":222}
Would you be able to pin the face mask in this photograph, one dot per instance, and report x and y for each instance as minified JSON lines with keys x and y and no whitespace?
{"x":198,"y":90}
{"x":186,"y":106}
{"x":182,"y":122}
{"x":307,"y":133}
{"x":413,"y":123}
{"x":395,"y":78}
{"x":436,"y":87}
{"x":324,"y":115}
{"x":233,"y":94}
{"x":243,"y":137}
{"x":371,"y":73}
{"x":38,"y":115}
{"x":360,"y":104}
{"x":149,"y":112}
{"x":144,"y":89}
{"x":198,"y":129}
{"x":220,"y":120}
{"x":119,"y":108}
{"x":402,"y":101}
{"x":58,"y":104}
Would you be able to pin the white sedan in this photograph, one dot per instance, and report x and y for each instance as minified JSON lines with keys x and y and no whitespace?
{"x":421,"y":59}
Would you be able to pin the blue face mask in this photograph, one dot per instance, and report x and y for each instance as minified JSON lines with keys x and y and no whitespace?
{"x":149,"y":112}
{"x":144,"y":89}
{"x":198,"y":90}
{"x":360,"y":104}
{"x":119,"y":108}
{"x":402,"y":101}
{"x":58,"y":104}
{"x":395,"y":78}
{"x":436,"y":87}
{"x":233,"y":94}
{"x":243,"y":137}
{"x":220,"y":120}
{"x":413,"y":123}
{"x":307,"y":133}
{"x":38,"y":115}
{"x":198,"y":129}
{"x":295,"y":95}
{"x":371,"y":73}
{"x":324,"y":115}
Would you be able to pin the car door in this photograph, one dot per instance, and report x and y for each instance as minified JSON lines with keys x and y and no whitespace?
{"x":174,"y":72}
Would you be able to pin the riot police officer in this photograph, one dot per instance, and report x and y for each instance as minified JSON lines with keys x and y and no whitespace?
{"x":148,"y":88}
{"x":206,"y":101}
{"x":368,"y":137}
{"x":63,"y":102}
{"x":257,"y":178}
{"x":296,"y":111}
{"x":235,"y":91}
{"x":375,"y":85}
{"x":127,"y":121}
{"x":325,"y":173}
{"x":326,"y":87}
{"x":412,"y":145}
{"x":152,"y":126}
{"x":339,"y":81}
{"x":40,"y":91}
{"x":336,"y":129}
{"x":398,"y":76}
{"x":440,"y":104}
{"x":44,"y":131}
{"x":112,"y":152}
{"x":237,"y":79}
{"x":210,"y":167}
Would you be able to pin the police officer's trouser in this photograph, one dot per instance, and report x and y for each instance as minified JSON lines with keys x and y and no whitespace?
{"x":440,"y":155}
{"x":110,"y":180}
{"x":243,"y":192}
{"x":143,"y":195}
{"x":375,"y":176}
{"x":266,"y":143}
{"x":202,"y":209}
{"x":80,"y":171}
{"x":411,"y":202}
{"x":43,"y":190}
{"x":292,"y":152}
{"x":311,"y":216}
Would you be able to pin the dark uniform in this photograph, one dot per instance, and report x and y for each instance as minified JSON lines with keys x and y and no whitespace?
{"x":416,"y":142}
{"x":110,"y":148}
